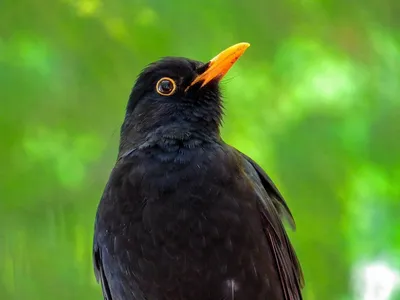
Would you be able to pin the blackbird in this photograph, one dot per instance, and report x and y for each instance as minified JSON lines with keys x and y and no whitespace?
{"x":185,"y":216}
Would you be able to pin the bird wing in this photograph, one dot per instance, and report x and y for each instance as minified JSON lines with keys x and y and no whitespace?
{"x":99,"y":272}
{"x":272,"y":208}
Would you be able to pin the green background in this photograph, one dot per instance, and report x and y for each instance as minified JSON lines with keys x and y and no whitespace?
{"x":315,"y":100}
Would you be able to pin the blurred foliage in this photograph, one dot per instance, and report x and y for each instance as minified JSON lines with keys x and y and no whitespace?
{"x":315,"y":100}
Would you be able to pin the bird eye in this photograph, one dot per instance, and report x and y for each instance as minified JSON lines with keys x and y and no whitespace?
{"x":166,"y":86}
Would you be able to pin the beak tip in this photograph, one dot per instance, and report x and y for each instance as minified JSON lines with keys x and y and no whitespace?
{"x":242,"y":46}
{"x":220,"y":64}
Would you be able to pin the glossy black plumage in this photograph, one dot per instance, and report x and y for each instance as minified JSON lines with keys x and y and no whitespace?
{"x":185,"y":216}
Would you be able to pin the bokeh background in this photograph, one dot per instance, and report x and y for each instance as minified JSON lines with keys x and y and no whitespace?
{"x":315,"y":100}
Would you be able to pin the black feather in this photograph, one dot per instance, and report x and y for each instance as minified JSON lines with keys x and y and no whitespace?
{"x":185,"y":216}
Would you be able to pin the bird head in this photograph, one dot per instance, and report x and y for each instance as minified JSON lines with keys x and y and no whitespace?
{"x":178,"y":98}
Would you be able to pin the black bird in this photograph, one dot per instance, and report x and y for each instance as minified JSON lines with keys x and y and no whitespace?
{"x":184,"y":216}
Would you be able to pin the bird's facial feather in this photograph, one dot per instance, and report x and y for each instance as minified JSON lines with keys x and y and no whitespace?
{"x":163,"y":97}
{"x":178,"y":97}
{"x":180,"y":71}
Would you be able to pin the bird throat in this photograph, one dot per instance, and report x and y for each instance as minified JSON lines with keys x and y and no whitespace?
{"x":174,"y":142}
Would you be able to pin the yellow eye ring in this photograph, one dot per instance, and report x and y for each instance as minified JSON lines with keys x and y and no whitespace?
{"x":166,"y":86}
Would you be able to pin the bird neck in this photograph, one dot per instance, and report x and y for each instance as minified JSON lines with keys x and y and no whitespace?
{"x":171,"y":137}
{"x":172,"y":127}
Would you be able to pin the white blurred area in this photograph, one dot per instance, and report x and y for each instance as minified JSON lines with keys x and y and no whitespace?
{"x":375,"y":281}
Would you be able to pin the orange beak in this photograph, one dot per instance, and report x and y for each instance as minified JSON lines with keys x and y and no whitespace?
{"x":220,"y":65}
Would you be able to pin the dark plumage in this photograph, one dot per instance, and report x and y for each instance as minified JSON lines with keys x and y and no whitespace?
{"x":185,"y":216}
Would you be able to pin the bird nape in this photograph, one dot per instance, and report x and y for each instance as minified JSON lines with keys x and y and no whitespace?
{"x":185,"y":216}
